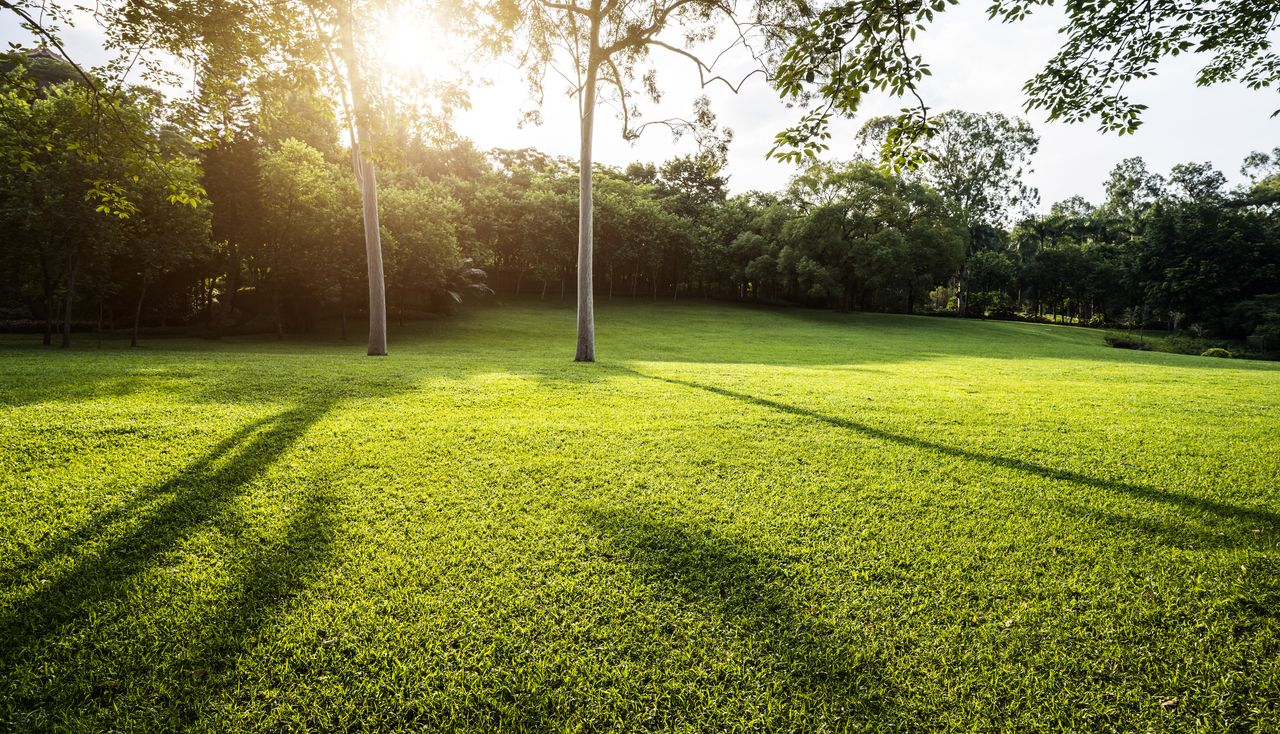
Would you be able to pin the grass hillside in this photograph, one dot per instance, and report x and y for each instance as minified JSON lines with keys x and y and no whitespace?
{"x":738,"y":520}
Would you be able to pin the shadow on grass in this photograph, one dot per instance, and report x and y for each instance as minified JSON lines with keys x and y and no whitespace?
{"x":821,"y":680}
{"x":58,"y":627}
{"x":1235,"y":514}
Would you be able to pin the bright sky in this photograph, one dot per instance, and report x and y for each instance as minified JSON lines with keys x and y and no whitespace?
{"x":978,"y":65}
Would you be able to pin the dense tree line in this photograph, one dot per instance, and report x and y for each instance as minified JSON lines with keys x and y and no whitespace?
{"x":130,"y":224}
{"x":1179,"y":251}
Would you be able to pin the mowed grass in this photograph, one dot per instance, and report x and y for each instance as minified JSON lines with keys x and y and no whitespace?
{"x":738,"y":520}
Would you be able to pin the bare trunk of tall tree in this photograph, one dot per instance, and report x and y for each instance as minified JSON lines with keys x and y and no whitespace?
{"x":275,"y":301}
{"x":73,"y":271}
{"x":48,"y":314}
{"x":367,"y":178}
{"x":227,"y":312}
{"x":586,"y":305}
{"x":137,"y":313}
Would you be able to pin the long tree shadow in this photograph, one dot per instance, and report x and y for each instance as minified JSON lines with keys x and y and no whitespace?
{"x":65,"y":544}
{"x":272,"y":575}
{"x":1223,"y":510}
{"x":202,"y":493}
{"x":825,"y":680}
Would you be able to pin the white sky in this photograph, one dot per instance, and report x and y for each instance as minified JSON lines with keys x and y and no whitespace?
{"x":978,"y":65}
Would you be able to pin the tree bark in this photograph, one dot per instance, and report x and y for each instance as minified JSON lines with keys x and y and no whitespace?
{"x":48,"y":314}
{"x":73,"y":271}
{"x":275,"y":298}
{"x":232,"y":286}
{"x":366,"y":176}
{"x":137,"y":313}
{"x":586,"y":307}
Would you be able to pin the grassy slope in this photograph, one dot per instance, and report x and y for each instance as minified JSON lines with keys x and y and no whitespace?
{"x":738,"y":520}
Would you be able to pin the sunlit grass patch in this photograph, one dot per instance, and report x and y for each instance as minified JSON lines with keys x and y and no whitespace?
{"x":737,"y":520}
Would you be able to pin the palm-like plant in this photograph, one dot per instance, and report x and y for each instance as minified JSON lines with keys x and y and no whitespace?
{"x":464,"y":278}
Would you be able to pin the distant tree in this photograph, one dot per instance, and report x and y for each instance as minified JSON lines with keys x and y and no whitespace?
{"x":419,"y":224}
{"x":844,"y":51}
{"x":1263,"y":171}
{"x":607,"y":44}
{"x":978,"y":162}
{"x":70,"y":180}
{"x":1200,"y":259}
{"x":992,"y":277}
{"x":1131,"y":189}
{"x":1261,"y":166}
{"x":1197,"y":182}
{"x":162,"y":237}
{"x":865,"y":233}
{"x":299,"y":197}
{"x":231,"y":180}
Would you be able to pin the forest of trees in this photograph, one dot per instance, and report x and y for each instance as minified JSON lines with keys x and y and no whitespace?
{"x":133,"y":225}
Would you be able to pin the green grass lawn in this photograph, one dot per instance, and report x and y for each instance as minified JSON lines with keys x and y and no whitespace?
{"x":738,"y":520}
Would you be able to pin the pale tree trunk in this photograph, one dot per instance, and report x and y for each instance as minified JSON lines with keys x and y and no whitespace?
{"x":586,"y":306}
{"x":367,"y":178}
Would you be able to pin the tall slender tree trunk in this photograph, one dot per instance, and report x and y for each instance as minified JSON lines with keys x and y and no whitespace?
{"x":48,"y":314}
{"x":232,"y":287}
{"x":275,"y":298}
{"x":137,"y":313}
{"x":72,"y":271}
{"x":586,"y":306}
{"x":366,"y":176}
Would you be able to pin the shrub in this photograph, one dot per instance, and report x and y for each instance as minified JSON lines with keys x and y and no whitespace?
{"x":1216,"y":352}
{"x":1120,"y":342}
